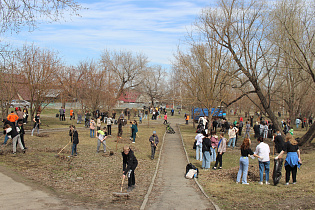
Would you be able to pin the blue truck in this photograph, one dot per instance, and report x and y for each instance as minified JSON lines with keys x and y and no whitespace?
{"x":202,"y":112}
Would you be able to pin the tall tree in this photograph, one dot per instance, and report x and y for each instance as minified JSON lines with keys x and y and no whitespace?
{"x":40,"y":68}
{"x":295,"y":18}
{"x":203,"y":71}
{"x":126,"y":68}
{"x":240,"y":27}
{"x":153,"y":83}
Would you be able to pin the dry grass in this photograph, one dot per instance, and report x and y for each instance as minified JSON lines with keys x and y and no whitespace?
{"x":220,"y":184}
{"x":90,"y":177}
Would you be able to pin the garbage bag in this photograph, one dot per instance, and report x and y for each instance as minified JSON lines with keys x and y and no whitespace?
{"x":191,"y":166}
{"x":276,"y":176}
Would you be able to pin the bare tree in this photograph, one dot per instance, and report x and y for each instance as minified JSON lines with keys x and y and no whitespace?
{"x":18,"y":13}
{"x":8,"y":81}
{"x":153,"y":83}
{"x":125,"y":68}
{"x":295,"y":20}
{"x":40,"y":69}
{"x":240,"y":27}
{"x":203,"y":71}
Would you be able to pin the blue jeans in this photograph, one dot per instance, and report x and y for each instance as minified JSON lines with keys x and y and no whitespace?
{"x":206,"y":160}
{"x":297,"y":125}
{"x":244,"y":162}
{"x":213,"y":155}
{"x":262,"y":166}
{"x":246,"y":134}
{"x":199,"y":152}
{"x":92,"y":133}
{"x":74,"y":149}
{"x":6,"y":138}
{"x":232,"y":140}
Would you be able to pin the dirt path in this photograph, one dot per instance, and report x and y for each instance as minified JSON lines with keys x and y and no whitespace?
{"x":171,"y":189}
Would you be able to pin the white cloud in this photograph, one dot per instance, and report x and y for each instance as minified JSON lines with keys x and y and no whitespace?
{"x":151,"y":27}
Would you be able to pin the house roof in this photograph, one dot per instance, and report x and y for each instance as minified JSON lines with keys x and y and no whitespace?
{"x":17,"y":84}
{"x":129,"y":97}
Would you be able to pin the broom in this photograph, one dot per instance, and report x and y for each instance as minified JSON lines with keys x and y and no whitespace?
{"x":121,"y":194}
{"x":57,"y":155}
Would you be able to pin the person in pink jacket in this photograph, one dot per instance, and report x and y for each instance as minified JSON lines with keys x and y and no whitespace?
{"x":214,"y":145}
{"x":221,"y":151}
{"x":165,"y":118}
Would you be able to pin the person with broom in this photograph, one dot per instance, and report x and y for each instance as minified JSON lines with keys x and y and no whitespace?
{"x":74,"y":139}
{"x":130,"y":163}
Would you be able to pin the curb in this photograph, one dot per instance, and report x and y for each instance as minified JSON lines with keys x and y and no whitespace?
{"x":200,"y":187}
{"x":146,"y":197}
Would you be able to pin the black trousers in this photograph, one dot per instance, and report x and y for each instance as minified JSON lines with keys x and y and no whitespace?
{"x":120,"y":132}
{"x":288,"y":170}
{"x":219,"y":160}
{"x":109,"y":129}
{"x":131,"y":179}
{"x":153,"y":148}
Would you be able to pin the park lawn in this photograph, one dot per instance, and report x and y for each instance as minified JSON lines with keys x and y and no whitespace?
{"x":90,"y":177}
{"x":221,"y":187}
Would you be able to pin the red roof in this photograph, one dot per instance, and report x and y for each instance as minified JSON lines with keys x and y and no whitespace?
{"x":129,"y":97}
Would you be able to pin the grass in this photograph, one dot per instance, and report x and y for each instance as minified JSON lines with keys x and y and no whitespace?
{"x":89,"y":177}
{"x":221,"y":188}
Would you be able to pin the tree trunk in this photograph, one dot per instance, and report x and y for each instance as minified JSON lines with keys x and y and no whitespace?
{"x":267,"y":109}
{"x":258,"y":91}
{"x":308,"y":136}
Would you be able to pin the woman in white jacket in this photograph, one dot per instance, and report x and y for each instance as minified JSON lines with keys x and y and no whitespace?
{"x":232,"y":136}
{"x":199,"y":138}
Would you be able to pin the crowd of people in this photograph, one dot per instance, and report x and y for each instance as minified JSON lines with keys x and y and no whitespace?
{"x":13,"y":128}
{"x":211,"y":147}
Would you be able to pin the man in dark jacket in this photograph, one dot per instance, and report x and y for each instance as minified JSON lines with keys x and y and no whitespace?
{"x":154,"y":139}
{"x":279,"y":143}
{"x":130,"y":163}
{"x":74,"y":139}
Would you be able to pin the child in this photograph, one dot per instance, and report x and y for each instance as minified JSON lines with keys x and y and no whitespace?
{"x":221,"y":151}
{"x":130,"y":163}
{"x":165,"y":119}
{"x":14,"y":135}
{"x":21,"y":132}
{"x":109,"y":125}
{"x":74,"y":139}
{"x":98,"y":124}
{"x":36,"y":121}
{"x":102,"y":135}
{"x":92,"y":128}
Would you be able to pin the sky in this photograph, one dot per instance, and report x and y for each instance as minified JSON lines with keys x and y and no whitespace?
{"x":154,"y":28}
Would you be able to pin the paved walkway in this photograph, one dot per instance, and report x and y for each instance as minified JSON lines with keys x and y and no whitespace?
{"x":171,"y":189}
{"x":16,"y":195}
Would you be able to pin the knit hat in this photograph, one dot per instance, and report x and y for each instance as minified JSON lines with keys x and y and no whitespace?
{"x":154,"y":132}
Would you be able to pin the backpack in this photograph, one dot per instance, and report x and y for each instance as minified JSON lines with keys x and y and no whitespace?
{"x":191,"y":171}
